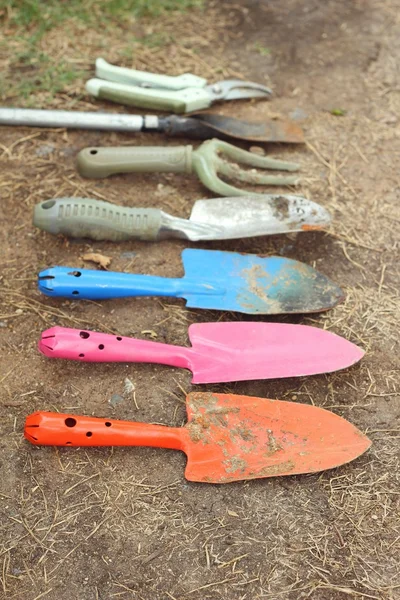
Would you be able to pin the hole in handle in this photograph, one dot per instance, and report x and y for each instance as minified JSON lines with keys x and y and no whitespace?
{"x":70,"y":422}
{"x":48,"y":204}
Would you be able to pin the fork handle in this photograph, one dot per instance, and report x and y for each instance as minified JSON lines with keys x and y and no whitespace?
{"x":177,"y":101}
{"x":104,"y":70}
{"x":98,"y":162}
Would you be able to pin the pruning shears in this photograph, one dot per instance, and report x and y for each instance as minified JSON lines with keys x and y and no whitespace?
{"x":180,"y":94}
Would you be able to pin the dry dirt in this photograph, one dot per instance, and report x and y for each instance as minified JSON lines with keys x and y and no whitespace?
{"x":96,"y":524}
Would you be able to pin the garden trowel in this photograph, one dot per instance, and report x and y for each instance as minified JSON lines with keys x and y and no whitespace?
{"x":227,"y":437}
{"x":220,"y":352}
{"x":213,"y":279}
{"x":215,"y":219}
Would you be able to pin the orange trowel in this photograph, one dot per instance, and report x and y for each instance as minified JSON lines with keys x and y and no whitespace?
{"x":227,"y":437}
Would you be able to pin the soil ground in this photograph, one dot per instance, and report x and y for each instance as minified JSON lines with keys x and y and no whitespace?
{"x":106,"y":523}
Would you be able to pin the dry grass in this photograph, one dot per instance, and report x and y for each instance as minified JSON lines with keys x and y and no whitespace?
{"x":108,"y":523}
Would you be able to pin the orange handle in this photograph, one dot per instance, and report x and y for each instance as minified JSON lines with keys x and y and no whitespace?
{"x":57,"y":429}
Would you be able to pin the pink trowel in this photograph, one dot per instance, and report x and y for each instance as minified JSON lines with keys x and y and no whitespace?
{"x":220,"y":352}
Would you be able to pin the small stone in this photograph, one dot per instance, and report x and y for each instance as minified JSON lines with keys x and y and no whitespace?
{"x":257,"y":150}
{"x":165,"y":190}
{"x":128,"y":255}
{"x":129,"y":387}
{"x":115,"y":400}
{"x":390,"y":120}
{"x":44,"y":150}
{"x":68,"y":151}
{"x":285,"y":249}
{"x":298,"y":114}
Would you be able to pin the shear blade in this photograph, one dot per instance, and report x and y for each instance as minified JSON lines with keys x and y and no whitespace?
{"x":235,"y":89}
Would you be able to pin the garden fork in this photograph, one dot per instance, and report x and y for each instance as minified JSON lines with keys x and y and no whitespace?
{"x":208,"y":161}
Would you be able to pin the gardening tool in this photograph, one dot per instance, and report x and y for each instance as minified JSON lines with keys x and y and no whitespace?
{"x":201,"y":126}
{"x":220,"y":352}
{"x":216,"y":219}
{"x":227,"y":437}
{"x":218,"y":280}
{"x":206,"y":161}
{"x":182,"y":94}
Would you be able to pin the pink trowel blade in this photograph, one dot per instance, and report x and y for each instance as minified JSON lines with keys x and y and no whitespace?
{"x":220,"y":352}
{"x":247,"y":350}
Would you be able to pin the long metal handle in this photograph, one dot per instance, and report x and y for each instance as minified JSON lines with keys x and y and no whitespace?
{"x":58,"y":429}
{"x":97,"y":220}
{"x":105,"y":70}
{"x":102,"y":162}
{"x":179,"y":101}
{"x":76,"y":120}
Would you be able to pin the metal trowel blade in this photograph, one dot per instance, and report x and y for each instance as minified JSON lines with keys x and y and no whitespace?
{"x":250,"y":216}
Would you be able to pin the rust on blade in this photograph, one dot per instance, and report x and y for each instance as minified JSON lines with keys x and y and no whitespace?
{"x":279,"y":130}
{"x":306,"y":227}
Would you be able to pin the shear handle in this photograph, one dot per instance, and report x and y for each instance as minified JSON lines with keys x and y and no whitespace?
{"x":105,"y":70}
{"x":177,"y":101}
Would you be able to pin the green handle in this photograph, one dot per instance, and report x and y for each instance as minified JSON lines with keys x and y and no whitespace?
{"x":102,"y":162}
{"x":178,"y":101}
{"x":97,"y":220}
{"x":105,"y":70}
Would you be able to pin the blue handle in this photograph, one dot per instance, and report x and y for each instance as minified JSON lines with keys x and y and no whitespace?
{"x":87,"y":284}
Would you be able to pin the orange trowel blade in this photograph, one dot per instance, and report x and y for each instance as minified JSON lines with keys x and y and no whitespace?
{"x":233,"y":437}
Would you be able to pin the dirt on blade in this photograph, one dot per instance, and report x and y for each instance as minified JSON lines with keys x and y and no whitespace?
{"x":98,"y":524}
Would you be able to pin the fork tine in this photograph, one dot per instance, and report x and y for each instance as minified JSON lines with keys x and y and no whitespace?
{"x":206,"y":166}
{"x":253,"y":160}
{"x":235,"y":172}
{"x":225,"y":189}
{"x":209,"y":160}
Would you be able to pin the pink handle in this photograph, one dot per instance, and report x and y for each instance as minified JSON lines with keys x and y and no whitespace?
{"x":90,"y":346}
